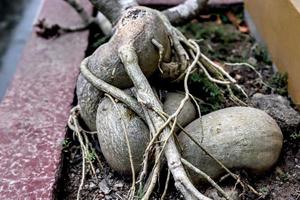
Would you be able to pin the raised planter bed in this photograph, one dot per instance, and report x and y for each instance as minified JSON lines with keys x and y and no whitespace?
{"x":278,"y":23}
{"x":221,"y":42}
{"x":34,"y":113}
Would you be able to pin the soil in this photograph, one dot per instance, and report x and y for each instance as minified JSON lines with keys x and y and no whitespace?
{"x":222,"y":41}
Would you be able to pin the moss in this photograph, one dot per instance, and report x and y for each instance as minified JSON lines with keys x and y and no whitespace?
{"x":279,"y":82}
{"x":208,"y":91}
{"x":222,"y":42}
{"x":261,"y":54}
{"x":211,"y":31}
{"x":264,"y":191}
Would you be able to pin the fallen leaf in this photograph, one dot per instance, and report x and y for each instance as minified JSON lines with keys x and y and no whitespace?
{"x":233,"y":19}
{"x":219,"y":21}
{"x":238,"y":23}
{"x":244,"y":29}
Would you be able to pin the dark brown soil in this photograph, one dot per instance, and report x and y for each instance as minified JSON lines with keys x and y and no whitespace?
{"x":222,"y":42}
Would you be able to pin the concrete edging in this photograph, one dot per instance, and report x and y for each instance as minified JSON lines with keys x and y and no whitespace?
{"x":35,"y":109}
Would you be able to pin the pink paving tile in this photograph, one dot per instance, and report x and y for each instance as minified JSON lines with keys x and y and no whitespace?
{"x":34,"y":112}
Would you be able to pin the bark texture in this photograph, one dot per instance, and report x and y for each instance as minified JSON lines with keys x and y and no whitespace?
{"x":113,"y":9}
{"x":185,"y":11}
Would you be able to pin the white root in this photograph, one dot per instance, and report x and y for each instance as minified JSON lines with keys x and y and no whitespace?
{"x":252,"y":68}
{"x":185,"y":11}
{"x":146,"y":97}
{"x":154,"y":175}
{"x":201,"y":173}
{"x":74,"y":125}
{"x":113,"y":9}
{"x":111,"y":90}
{"x":100,"y":20}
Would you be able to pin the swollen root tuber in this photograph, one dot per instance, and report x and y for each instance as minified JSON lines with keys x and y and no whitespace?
{"x":111,"y":133}
{"x":138,"y":26}
{"x":239,"y":137}
{"x":186,"y":115}
{"x":114,"y":121}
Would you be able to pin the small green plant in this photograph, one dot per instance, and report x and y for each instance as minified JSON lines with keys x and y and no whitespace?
{"x":91,"y":155}
{"x":279,"y":82}
{"x":66,"y":144}
{"x":284,"y":177}
{"x":264,"y":191}
{"x":295,"y":136}
{"x":261,"y":54}
{"x":99,"y":40}
{"x":140,"y":193}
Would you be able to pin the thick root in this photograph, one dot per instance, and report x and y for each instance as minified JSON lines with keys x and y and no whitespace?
{"x":147,"y":98}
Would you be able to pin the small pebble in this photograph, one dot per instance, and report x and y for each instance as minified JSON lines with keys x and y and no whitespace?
{"x":118,"y":185}
{"x":252,"y":61}
{"x":92,"y":185}
{"x":108,"y":197}
{"x":104,"y":187}
{"x":279,"y":171}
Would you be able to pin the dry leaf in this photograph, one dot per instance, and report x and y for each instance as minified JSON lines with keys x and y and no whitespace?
{"x":244,"y":29}
{"x":233,"y":19}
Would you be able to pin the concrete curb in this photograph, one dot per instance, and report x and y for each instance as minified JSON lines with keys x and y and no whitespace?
{"x":35,"y":109}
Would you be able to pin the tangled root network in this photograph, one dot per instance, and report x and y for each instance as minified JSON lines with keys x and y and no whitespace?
{"x":136,"y":132}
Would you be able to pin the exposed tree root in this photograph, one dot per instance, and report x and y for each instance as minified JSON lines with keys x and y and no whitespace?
{"x":260,"y":77}
{"x":201,"y":173}
{"x":147,"y":98}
